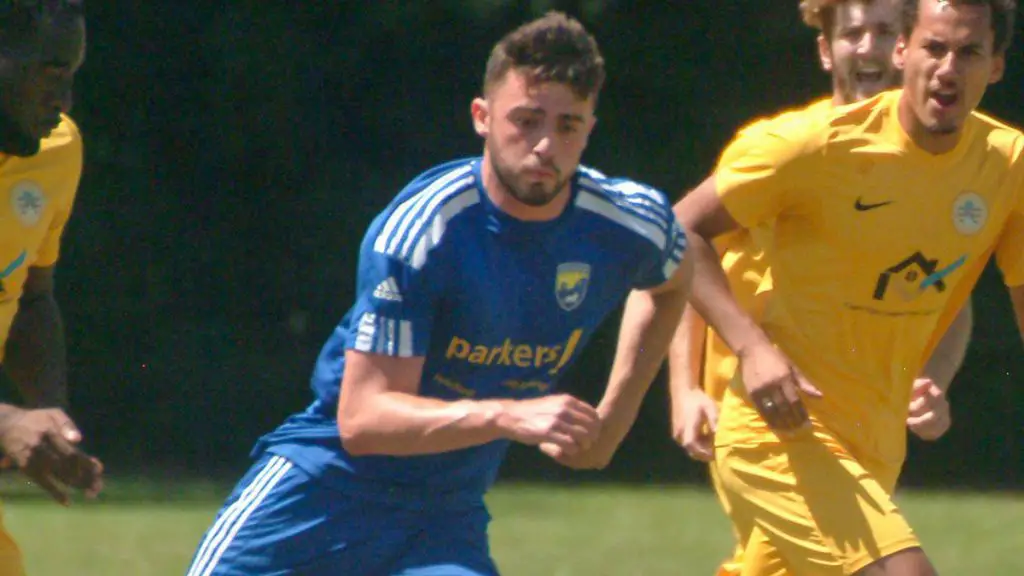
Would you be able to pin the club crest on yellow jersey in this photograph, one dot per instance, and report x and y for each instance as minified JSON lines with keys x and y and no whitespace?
{"x":27,"y":202}
{"x":969,"y":213}
{"x":571,"y":281}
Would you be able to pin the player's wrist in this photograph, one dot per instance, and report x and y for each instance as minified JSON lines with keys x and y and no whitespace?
{"x":689,"y":385}
{"x":756,"y":342}
{"x":499,"y":418}
{"x":9,"y":414}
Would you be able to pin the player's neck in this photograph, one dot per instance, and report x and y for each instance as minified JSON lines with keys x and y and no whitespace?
{"x":931,"y":142}
{"x":499,"y":195}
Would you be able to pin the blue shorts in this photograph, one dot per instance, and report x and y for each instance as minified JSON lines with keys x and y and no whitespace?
{"x":280,"y":521}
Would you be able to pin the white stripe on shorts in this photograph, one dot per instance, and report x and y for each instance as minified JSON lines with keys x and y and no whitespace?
{"x":223,"y":531}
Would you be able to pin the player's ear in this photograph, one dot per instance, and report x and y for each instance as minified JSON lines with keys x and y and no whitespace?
{"x":824,"y":53}
{"x":998,"y":67}
{"x":481,"y":116}
{"x":899,"y":53}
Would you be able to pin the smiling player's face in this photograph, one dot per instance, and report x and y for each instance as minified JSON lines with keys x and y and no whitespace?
{"x":859,"y":51}
{"x":534,"y":135}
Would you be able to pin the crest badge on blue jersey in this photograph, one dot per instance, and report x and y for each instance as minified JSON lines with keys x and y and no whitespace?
{"x":571,"y":281}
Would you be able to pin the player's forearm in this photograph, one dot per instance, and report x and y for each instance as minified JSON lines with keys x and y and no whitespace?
{"x":713,"y":300}
{"x":400,"y":424}
{"x":648,"y":323}
{"x":949,"y":354}
{"x":686,"y":353}
{"x":35,"y":357}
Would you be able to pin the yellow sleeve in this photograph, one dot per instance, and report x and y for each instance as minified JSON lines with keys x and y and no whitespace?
{"x":758,"y":175}
{"x":1010,"y":250}
{"x":68,"y":164}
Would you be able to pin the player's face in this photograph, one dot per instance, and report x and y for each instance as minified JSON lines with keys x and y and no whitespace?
{"x":534,"y":134}
{"x":859,"y":54}
{"x":37,"y":82}
{"x":947,"y":64}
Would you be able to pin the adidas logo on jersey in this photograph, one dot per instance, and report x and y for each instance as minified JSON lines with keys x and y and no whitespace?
{"x":388,"y":290}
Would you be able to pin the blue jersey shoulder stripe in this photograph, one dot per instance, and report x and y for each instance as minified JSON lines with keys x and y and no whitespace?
{"x":407,"y":213}
{"x":633,"y":196}
{"x":418,"y":222}
{"x":600,"y":204}
{"x":636,"y":207}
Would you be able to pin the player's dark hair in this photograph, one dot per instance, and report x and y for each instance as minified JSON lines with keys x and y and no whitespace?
{"x":553,"y":48}
{"x":21,"y":20}
{"x":1003,"y":14}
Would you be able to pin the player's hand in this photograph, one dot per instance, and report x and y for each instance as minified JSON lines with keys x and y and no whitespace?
{"x":929,"y":416}
{"x":559,"y":420}
{"x":694,"y":420}
{"x":43,"y":445}
{"x":774,"y":386}
{"x":593,"y":458}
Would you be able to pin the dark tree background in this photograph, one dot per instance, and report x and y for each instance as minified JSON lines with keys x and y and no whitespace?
{"x":236,"y":151}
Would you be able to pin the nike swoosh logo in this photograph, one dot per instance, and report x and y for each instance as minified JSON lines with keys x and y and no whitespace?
{"x":862,"y":207}
{"x":14,"y":265}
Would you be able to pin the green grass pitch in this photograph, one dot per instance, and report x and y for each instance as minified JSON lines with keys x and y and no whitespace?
{"x":150,"y":529}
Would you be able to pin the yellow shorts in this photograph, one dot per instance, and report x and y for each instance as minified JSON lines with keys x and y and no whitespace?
{"x":10,"y":554}
{"x":804,"y":507}
{"x":731,"y":566}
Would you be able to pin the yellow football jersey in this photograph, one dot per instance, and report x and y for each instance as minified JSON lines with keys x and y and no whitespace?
{"x":742,"y":254}
{"x":872,"y":240}
{"x":36,"y":196}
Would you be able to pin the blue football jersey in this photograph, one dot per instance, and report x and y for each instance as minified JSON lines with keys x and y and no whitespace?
{"x":499,"y":308}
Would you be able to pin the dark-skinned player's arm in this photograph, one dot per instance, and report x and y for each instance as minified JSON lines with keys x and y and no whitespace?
{"x":35,"y":357}
{"x":42,"y":441}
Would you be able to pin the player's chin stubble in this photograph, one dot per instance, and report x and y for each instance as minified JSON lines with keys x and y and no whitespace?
{"x":941,"y":129}
{"x":534,"y":195}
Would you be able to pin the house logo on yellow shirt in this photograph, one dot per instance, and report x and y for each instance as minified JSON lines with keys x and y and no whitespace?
{"x":27,"y":202}
{"x":914,"y":276}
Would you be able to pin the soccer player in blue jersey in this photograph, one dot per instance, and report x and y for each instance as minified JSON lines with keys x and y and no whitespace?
{"x":478,"y":286}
